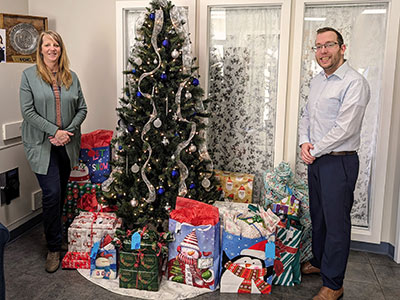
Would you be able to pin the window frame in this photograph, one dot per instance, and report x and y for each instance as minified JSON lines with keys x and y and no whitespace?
{"x":372,"y":234}
{"x":283,"y":64}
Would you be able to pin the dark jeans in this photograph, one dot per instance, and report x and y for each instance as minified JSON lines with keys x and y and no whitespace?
{"x":4,"y":236}
{"x":331,"y":181}
{"x":54,"y":185}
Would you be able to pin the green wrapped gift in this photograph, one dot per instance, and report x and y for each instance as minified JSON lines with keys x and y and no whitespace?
{"x":141,"y":280}
{"x":151,"y":242}
{"x":139,"y":261}
{"x":140,"y":271}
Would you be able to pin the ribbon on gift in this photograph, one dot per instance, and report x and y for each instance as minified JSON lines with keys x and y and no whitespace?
{"x":88,"y":202}
{"x":95,"y":215}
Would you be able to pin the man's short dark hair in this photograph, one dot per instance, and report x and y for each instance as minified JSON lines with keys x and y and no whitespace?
{"x":339,"y":36}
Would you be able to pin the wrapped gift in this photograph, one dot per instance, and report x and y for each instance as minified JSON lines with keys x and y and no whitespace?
{"x":247,"y":264}
{"x":95,"y":153}
{"x":90,"y":227}
{"x":280,"y":183}
{"x":237,"y":187}
{"x":287,"y":259}
{"x":141,"y":280}
{"x":73,"y":202}
{"x":103,"y":259}
{"x":194,"y":255}
{"x":248,"y":249}
{"x":141,"y":256}
{"x":286,"y":206}
{"x":76,"y":260}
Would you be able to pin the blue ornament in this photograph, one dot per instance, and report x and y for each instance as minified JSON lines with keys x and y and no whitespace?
{"x":152,"y":16}
{"x":174,"y":173}
{"x":133,"y":71}
{"x":176,"y":134}
{"x":120,"y":147}
{"x":160,"y":191}
{"x":130,"y":128}
{"x":139,"y":94}
{"x":127,"y":94}
{"x":192,"y":186}
{"x":195,"y":82}
{"x":165,"y":43}
{"x":163,"y":76}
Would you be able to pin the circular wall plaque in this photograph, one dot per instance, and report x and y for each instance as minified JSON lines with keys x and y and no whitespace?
{"x":24,"y":38}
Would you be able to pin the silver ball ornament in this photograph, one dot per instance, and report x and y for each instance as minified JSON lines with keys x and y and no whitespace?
{"x":157,"y":123}
{"x":135,"y":168}
{"x":175,"y":53}
{"x":138,"y":61}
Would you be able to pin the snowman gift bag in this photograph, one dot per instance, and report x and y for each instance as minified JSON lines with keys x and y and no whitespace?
{"x":103,"y":260}
{"x":248,"y":252}
{"x":194,"y":255}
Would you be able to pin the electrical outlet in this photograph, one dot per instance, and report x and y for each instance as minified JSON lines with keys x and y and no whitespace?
{"x":37,"y":200}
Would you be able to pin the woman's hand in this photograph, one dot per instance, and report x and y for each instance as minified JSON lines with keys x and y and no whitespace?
{"x":61,"y":138}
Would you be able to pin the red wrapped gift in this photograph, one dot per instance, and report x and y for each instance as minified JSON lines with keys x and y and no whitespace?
{"x":76,"y":260}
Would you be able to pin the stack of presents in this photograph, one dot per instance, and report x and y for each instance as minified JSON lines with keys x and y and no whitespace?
{"x":236,"y":245}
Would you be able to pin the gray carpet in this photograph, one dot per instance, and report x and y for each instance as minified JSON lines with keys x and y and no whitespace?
{"x":369,"y":276}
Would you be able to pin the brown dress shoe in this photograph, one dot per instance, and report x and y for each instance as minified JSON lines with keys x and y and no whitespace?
{"x":52,"y":261}
{"x":326,"y":293}
{"x":308,"y":268}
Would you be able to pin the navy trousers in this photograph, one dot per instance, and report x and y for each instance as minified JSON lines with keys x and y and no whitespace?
{"x":54,"y":186}
{"x":332,"y":181}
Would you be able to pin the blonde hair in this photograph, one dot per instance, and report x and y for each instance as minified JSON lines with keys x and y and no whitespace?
{"x":63,"y":76}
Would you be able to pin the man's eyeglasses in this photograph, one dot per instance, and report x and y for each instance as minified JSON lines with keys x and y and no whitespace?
{"x":329,"y":45}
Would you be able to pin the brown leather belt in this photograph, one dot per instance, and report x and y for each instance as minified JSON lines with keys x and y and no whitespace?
{"x":339,"y":153}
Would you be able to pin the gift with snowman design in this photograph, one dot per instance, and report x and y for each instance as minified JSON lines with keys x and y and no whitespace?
{"x":236,"y":187}
{"x":103,"y":260}
{"x":248,"y":249}
{"x":194,"y":255}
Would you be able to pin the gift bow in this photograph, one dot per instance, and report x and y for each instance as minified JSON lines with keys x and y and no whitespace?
{"x":88,"y":202}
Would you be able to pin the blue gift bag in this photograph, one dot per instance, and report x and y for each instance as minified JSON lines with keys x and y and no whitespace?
{"x":95,"y":153}
{"x":194,"y":255}
{"x":247,"y":264}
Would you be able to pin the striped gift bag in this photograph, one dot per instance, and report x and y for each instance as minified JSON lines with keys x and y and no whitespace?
{"x":287,"y":255}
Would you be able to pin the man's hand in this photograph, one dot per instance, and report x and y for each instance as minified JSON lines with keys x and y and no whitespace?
{"x":305,"y":153}
{"x":61,"y":138}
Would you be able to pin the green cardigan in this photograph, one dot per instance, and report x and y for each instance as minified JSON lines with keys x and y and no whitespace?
{"x":39,"y":113}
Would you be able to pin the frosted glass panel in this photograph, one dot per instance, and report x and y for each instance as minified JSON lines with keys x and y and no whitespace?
{"x":364,"y":31}
{"x":243,"y":70}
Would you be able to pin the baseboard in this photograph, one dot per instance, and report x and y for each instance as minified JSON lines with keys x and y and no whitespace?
{"x":382,"y":248}
{"x":15,"y":233}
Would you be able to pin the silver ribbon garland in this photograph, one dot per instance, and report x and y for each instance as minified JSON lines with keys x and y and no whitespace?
{"x":158,"y":24}
{"x":180,"y":24}
{"x":146,"y":128}
{"x":184,"y":172}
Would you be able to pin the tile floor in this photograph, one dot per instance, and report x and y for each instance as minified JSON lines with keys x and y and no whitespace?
{"x":369,"y":276}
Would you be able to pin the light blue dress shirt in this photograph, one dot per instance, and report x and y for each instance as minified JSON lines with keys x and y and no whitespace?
{"x":332,"y":118}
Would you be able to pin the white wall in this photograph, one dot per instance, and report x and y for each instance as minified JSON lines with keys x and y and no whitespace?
{"x":88,"y":29}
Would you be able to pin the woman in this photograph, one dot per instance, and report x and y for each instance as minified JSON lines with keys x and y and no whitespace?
{"x":53,"y":109}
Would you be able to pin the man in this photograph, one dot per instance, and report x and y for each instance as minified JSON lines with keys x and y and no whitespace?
{"x":329,"y":136}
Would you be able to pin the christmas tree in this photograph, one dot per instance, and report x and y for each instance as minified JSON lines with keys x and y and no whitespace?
{"x":160,"y":148}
